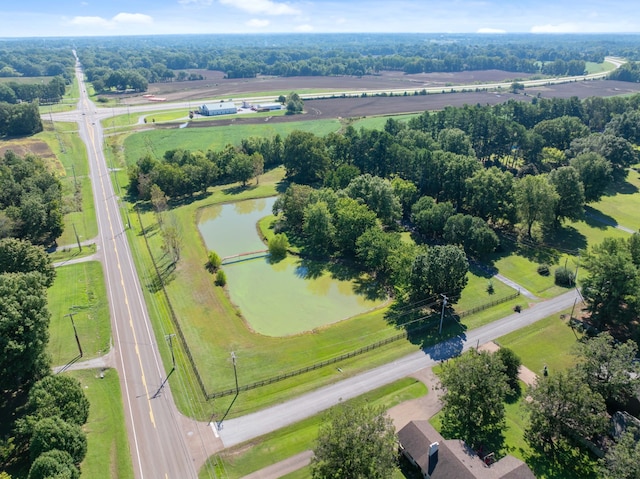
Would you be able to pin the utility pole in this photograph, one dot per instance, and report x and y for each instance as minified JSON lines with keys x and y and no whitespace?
{"x":444,"y":304}
{"x":235,"y":371}
{"x":77,"y":238}
{"x":169,"y":338}
{"x":75,"y":332}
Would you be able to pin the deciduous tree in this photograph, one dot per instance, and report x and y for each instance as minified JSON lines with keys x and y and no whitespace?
{"x":475,"y":387}
{"x":54,"y":433}
{"x":439,"y":270}
{"x":20,"y":256}
{"x":356,"y":441}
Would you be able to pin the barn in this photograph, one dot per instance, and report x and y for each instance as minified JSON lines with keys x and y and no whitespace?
{"x":221,"y":108}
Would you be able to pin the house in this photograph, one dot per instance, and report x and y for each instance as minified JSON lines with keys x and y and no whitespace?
{"x":438,"y":458}
{"x":221,"y":108}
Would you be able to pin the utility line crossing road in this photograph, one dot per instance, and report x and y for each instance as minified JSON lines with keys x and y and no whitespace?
{"x":235,"y":431}
{"x":156,"y":434}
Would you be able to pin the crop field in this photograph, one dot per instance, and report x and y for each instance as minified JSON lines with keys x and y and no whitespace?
{"x":215,"y":85}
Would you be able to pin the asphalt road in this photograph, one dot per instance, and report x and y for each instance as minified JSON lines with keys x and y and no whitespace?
{"x":235,"y":431}
{"x":156,"y":434}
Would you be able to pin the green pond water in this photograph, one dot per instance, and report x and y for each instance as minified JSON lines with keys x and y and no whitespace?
{"x":278,"y":299}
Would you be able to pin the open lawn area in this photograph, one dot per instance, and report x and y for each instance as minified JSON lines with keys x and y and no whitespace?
{"x":620,"y":204}
{"x":246,"y":458}
{"x":156,"y":142}
{"x":108,"y":453}
{"x":547,"y":342}
{"x":79,"y":290}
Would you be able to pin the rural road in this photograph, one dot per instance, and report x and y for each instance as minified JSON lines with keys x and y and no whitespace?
{"x":157,"y":437}
{"x":235,"y":431}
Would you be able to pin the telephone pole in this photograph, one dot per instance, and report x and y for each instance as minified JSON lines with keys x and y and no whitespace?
{"x":444,"y":304}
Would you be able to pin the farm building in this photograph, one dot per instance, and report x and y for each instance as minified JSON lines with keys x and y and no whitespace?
{"x":222,"y":108}
{"x":267,"y":107}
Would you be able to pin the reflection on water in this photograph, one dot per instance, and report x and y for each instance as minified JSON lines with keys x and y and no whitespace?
{"x":287,"y":297}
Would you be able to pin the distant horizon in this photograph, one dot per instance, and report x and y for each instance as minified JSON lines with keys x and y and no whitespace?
{"x":92,"y":18}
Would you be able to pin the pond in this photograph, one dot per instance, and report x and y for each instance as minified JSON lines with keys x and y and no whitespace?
{"x":276,"y":299}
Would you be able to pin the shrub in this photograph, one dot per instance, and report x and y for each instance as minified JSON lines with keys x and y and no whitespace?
{"x":278,"y":246}
{"x":565,"y":277}
{"x":53,"y":463}
{"x":543,"y":269}
{"x":221,"y":278}
{"x":490,"y":287}
{"x":214,"y":261}
{"x":512,"y":365}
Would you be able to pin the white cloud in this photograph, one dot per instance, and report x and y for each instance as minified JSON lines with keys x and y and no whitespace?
{"x":257,"y":23}
{"x":132,"y":18}
{"x":119,"y":19}
{"x":204,"y":3}
{"x":304,"y":28}
{"x":90,"y":21}
{"x":559,"y":28}
{"x":490,"y":30}
{"x":265,"y":7}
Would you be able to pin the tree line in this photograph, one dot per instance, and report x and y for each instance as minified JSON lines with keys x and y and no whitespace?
{"x":168,"y":58}
{"x":37,"y":58}
{"x":51,"y":92}
{"x":41,"y":414}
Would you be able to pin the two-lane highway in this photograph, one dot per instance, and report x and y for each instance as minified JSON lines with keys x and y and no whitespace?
{"x":156,"y":437}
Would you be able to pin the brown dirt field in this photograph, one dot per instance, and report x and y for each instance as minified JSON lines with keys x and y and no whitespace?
{"x":371,"y":106}
{"x":22,"y":146}
{"x":216,"y":85}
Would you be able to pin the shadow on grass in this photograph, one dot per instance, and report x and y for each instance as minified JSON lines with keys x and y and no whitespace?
{"x":597,"y":219}
{"x":621,"y":187}
{"x":564,"y":463}
{"x":237,"y":189}
{"x":166,"y":269}
{"x":567,"y":238}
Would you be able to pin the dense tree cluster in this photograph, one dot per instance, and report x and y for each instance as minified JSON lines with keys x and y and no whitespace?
{"x":30,"y":200}
{"x":35,"y":58}
{"x":51,"y":92}
{"x":19,"y":119}
{"x":185,"y":173}
{"x":630,"y":72}
{"x":570,"y":407}
{"x":168,"y":58}
{"x":611,"y":288}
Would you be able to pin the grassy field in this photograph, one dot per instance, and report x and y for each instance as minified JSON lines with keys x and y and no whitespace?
{"x":246,"y":458}
{"x":378,"y":122}
{"x":78,"y":289}
{"x":592,"y":67}
{"x":156,"y":142}
{"x":108,"y":453}
{"x":547,"y":342}
{"x":621,"y":202}
{"x":73,"y":169}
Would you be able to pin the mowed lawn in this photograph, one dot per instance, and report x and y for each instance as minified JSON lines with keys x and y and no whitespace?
{"x":156,"y":142}
{"x":79,"y":290}
{"x":108,"y":453}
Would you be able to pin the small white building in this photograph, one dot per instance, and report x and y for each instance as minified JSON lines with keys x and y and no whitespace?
{"x":221,"y":108}
{"x":268,"y":107}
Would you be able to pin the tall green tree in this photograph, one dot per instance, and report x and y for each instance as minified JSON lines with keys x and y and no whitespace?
{"x":292,"y":204}
{"x":20,"y":256}
{"x":305,"y":158}
{"x":612,"y":286}
{"x":318,"y":228}
{"x":622,"y":460}
{"x":439,"y":270}
{"x":570,"y":190}
{"x":535,"y":200}
{"x":609,"y":367}
{"x":490,"y":194}
{"x":351,"y":220}
{"x":475,"y":386}
{"x":58,"y":395}
{"x":55,"y":433}
{"x":377,"y":193}
{"x":595,"y":173}
{"x":472,"y":233}
{"x":563,"y":410}
{"x":53,"y":464}
{"x":24,"y":330}
{"x":356,"y":441}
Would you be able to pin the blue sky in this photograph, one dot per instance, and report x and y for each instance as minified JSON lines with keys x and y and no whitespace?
{"x":25,"y":18}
